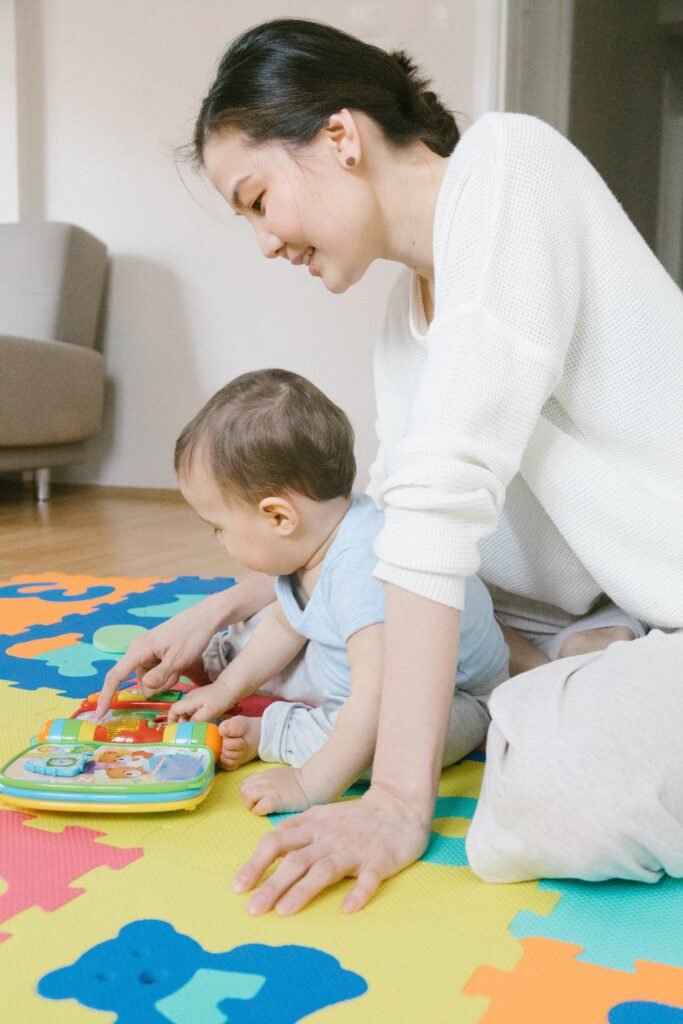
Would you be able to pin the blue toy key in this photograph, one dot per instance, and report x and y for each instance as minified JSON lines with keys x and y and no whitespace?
{"x":63,"y":766}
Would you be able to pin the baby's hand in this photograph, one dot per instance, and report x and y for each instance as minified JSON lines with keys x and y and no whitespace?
{"x":201,"y":705}
{"x":278,"y":789}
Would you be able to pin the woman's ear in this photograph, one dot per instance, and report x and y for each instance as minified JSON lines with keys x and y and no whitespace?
{"x":341,"y":129}
{"x":280,"y":513}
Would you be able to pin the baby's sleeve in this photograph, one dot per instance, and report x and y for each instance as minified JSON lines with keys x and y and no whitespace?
{"x":354,"y":598}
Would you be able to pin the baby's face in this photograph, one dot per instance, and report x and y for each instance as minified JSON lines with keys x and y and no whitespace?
{"x":244,"y":531}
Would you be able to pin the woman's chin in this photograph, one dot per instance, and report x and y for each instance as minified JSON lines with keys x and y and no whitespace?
{"x":339,"y":283}
{"x":336,"y":287}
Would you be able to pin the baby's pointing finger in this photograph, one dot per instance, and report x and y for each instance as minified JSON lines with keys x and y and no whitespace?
{"x":178,"y":711}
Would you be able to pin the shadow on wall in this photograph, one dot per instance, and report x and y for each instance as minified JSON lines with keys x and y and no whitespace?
{"x":30,"y":83}
{"x":151,"y":376}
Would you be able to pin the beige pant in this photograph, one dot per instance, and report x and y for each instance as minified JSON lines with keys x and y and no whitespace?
{"x":584,"y":772}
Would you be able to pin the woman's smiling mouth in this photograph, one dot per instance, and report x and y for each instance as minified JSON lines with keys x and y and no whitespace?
{"x":302,"y":257}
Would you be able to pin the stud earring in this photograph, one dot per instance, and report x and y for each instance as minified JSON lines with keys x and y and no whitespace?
{"x":351,"y":161}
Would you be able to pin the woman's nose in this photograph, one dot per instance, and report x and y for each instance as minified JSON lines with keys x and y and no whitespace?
{"x":271,"y":245}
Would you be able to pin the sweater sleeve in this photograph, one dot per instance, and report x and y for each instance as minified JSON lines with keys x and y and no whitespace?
{"x":506,"y":265}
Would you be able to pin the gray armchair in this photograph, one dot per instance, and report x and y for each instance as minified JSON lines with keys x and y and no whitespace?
{"x":51,"y":379}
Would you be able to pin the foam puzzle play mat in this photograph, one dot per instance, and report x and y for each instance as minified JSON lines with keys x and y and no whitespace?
{"x":130,"y":917}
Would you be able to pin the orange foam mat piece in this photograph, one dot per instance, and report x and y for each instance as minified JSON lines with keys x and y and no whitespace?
{"x":549,"y":986}
{"x":18,"y":616}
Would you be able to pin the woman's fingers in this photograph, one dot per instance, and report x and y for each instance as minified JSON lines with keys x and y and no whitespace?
{"x":365,"y":888}
{"x":275,"y":891}
{"x":287,"y":896}
{"x":162,"y":654}
{"x":144,"y":663}
{"x":369,"y":839}
{"x":310,"y":865}
{"x":275,"y":844}
{"x":113,"y":679}
{"x":157,"y":678}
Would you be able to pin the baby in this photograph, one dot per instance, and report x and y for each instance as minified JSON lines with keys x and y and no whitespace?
{"x":268,"y":464}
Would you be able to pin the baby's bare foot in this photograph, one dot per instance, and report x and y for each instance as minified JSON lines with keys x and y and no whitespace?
{"x":587,"y":641}
{"x":241,"y":736}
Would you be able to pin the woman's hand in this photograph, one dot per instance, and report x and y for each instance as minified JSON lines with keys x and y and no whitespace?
{"x":274,"y":791}
{"x":175,"y":647}
{"x":369,"y":839}
{"x":160,"y":656}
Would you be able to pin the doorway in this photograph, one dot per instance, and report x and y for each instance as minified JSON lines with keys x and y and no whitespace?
{"x":609,"y":76}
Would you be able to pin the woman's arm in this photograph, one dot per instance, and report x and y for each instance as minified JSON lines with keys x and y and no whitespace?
{"x":388,"y":828}
{"x":422,"y":639}
{"x":162,"y":655}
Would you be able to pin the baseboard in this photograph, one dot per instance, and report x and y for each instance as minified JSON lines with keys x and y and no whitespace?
{"x":112,"y":491}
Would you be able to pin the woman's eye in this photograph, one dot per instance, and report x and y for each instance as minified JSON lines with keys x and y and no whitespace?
{"x":257,"y":206}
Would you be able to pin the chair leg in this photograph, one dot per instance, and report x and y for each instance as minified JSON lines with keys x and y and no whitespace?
{"x":42,"y":482}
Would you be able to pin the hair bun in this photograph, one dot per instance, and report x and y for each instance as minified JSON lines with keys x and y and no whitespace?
{"x":407,"y":63}
{"x":438,"y":129}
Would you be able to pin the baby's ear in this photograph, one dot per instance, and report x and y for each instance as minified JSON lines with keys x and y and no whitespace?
{"x":281,"y":514}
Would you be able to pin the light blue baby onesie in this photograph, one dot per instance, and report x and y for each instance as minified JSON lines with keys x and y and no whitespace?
{"x":348,"y":598}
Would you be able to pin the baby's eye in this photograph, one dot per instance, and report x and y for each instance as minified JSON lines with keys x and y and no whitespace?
{"x":216,"y":531}
{"x":257,"y":206}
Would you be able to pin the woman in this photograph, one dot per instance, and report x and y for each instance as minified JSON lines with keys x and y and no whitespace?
{"x":528,"y":388}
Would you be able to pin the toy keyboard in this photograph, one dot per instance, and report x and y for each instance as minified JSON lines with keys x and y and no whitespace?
{"x":132,"y":760}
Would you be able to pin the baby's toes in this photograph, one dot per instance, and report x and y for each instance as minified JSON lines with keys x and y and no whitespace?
{"x":230,"y":760}
{"x":232,"y":748}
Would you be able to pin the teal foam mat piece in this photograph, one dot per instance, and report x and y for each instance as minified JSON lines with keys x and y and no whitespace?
{"x":616,"y":922}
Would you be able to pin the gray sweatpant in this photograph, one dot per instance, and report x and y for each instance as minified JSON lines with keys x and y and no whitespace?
{"x":584,"y":772}
{"x":293,"y":732}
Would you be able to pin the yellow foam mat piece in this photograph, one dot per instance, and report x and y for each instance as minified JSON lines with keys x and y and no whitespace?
{"x":417,"y":944}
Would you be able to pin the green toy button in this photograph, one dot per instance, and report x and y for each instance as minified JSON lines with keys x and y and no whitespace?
{"x":116,"y":639}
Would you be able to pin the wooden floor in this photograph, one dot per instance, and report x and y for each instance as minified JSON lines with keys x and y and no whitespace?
{"x":106,"y":532}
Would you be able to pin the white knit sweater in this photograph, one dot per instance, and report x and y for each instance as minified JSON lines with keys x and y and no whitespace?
{"x":537,"y":424}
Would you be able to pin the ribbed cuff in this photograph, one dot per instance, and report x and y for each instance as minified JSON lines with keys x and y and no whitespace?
{"x":273,"y":730}
{"x":275,"y":724}
{"x":448,"y":590}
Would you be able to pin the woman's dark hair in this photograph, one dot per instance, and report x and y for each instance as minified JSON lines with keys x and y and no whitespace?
{"x":283,"y":79}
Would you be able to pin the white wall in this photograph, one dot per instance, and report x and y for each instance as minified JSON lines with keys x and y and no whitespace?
{"x":9,"y":171}
{"x":106,"y":89}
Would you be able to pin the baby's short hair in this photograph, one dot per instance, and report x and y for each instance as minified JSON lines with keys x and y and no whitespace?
{"x":271,"y":431}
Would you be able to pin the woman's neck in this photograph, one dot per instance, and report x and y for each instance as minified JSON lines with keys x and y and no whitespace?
{"x":411,"y":183}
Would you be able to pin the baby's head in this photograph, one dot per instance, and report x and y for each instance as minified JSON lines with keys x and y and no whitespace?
{"x":268,"y":462}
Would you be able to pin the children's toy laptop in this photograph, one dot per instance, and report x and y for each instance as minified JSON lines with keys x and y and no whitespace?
{"x":131,"y":761}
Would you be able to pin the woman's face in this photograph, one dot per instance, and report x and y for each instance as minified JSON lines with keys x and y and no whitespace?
{"x":312,"y":209}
